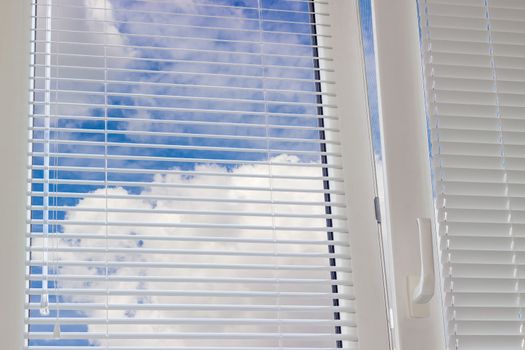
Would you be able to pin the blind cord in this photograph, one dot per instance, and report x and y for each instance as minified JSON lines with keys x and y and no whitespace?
{"x":106,"y":206}
{"x":270,"y":171}
{"x":56,"y":330}
{"x":44,"y":299}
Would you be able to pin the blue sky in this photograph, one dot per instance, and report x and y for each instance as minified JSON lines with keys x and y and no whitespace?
{"x":257,"y":85}
{"x":365,"y":8}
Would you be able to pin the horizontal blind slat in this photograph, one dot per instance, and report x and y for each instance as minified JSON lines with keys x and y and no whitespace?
{"x":221,"y":280}
{"x":192,"y":252}
{"x":146,"y":121}
{"x":196,"y":335}
{"x":202,"y":307}
{"x":202,"y":321}
{"x":192,"y":212}
{"x":182,"y":160}
{"x":192,"y":266}
{"x":196,"y":239}
{"x":175,"y":134}
{"x":215,"y":294}
{"x":185,"y":199}
{"x":36,"y":347}
{"x":187,"y":225}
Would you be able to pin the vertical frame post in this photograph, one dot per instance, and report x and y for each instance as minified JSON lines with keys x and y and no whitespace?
{"x":406,"y":164}
{"x":353,"y":124}
{"x":15,"y":29}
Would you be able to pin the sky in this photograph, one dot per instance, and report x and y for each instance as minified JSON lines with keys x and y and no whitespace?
{"x":164,"y":103}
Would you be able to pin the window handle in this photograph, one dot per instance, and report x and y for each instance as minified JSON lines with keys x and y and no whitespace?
{"x":421,"y":288}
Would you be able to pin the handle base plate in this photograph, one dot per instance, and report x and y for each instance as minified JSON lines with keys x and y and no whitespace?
{"x":416,"y":310}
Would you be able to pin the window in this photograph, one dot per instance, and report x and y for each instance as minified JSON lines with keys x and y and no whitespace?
{"x":202,"y":174}
{"x":187,"y":179}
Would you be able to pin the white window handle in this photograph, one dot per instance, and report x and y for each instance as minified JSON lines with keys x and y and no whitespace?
{"x":421,"y":289}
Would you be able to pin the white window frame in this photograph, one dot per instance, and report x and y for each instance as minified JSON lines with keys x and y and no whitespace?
{"x":15,"y":24}
{"x":406,"y":168}
{"x":358,"y":164}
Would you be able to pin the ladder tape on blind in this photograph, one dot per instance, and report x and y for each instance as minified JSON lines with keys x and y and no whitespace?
{"x":473,"y":65}
{"x":185,"y":178}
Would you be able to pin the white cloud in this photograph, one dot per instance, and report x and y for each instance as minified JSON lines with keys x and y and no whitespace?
{"x":155,"y":215}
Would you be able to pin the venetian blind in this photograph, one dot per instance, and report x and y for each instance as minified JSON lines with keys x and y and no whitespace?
{"x":185,"y":187}
{"x":474,"y":59}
